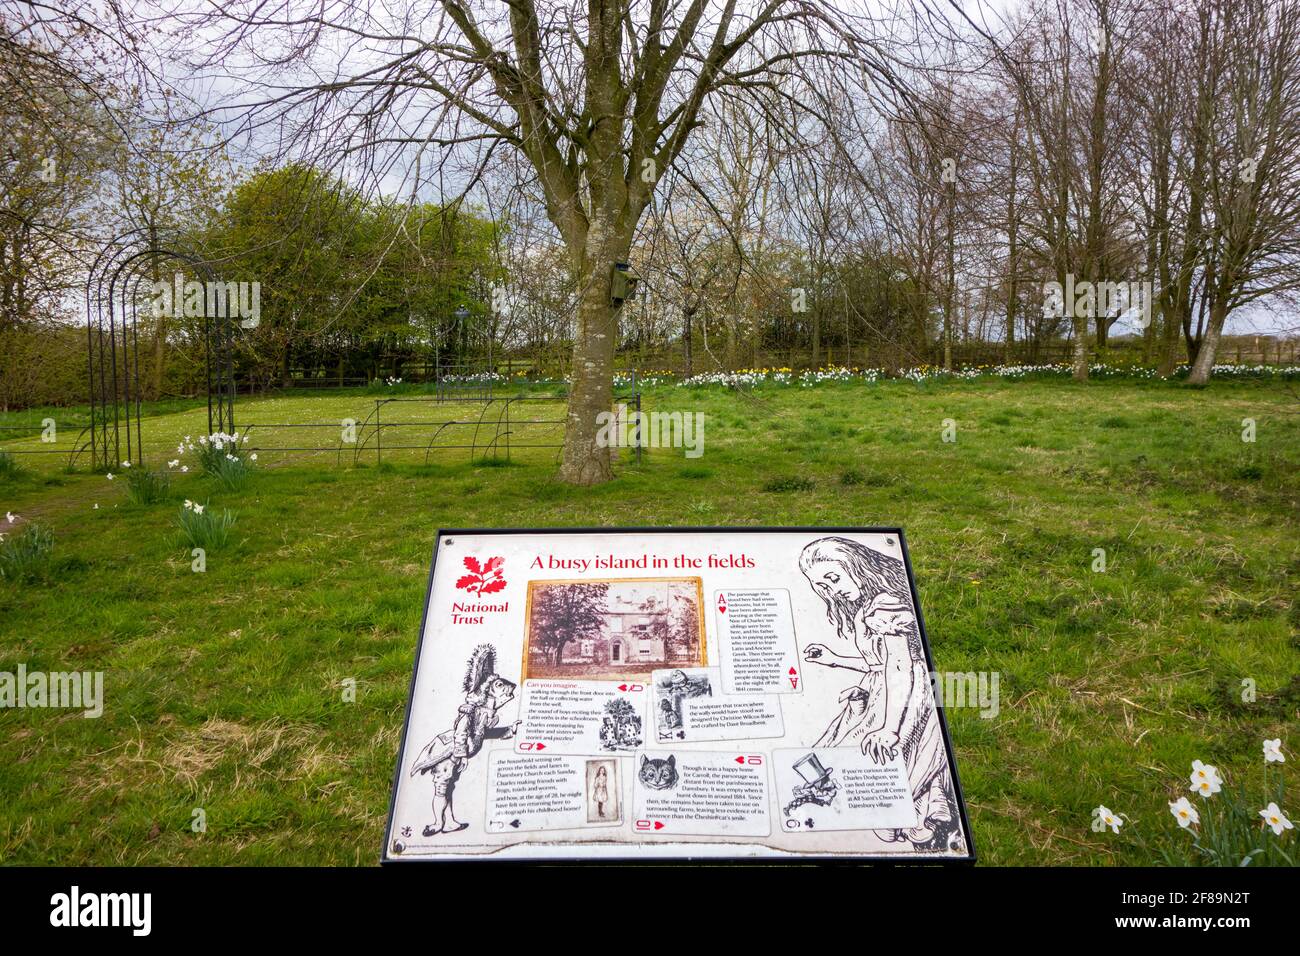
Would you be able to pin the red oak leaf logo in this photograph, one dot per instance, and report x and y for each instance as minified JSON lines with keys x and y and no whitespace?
{"x":485,"y":578}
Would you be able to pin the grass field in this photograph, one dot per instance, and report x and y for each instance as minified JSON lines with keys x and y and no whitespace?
{"x":223,"y":689}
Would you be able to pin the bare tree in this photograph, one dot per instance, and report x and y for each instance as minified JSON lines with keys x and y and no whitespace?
{"x":599,"y":98}
{"x":1252,"y":240}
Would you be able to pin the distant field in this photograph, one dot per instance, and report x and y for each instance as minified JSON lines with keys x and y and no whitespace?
{"x":223,"y":688}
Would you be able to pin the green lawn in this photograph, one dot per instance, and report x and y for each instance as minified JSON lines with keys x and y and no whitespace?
{"x":224,"y":689}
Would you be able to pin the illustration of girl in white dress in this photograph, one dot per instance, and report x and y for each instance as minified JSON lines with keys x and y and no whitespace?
{"x":891,"y":708}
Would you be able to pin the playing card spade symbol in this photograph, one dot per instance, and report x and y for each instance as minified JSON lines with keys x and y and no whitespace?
{"x":515,"y":823}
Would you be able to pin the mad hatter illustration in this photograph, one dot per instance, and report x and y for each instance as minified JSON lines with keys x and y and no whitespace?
{"x":818,"y":786}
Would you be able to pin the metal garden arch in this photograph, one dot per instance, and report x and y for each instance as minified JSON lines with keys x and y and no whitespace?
{"x":113,"y":304}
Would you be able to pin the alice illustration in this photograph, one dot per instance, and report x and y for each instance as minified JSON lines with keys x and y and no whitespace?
{"x":600,"y":791}
{"x":890,"y":711}
{"x":447,"y":754}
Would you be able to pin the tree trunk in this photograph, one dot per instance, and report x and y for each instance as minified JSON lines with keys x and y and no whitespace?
{"x":687,"y":314}
{"x":592,"y":376}
{"x":1204,"y":364}
{"x":1080,"y":349}
{"x":817,"y":336}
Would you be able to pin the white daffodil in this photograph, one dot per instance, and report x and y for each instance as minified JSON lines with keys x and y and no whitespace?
{"x":1107,"y":818}
{"x":173,"y":463}
{"x":1184,"y":813}
{"x":1276,"y":819}
{"x":187,"y":439}
{"x":184,"y":469}
{"x":180,"y":449}
{"x":198,"y":508}
{"x":253,"y":457}
{"x":126,"y":464}
{"x":109,"y":476}
{"x":96,"y":507}
{"x":11,"y":516}
{"x":189,"y":505}
{"x":1205,"y":779}
{"x":1273,"y":751}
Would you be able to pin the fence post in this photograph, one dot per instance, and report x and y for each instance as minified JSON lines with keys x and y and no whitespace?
{"x":379,"y":434}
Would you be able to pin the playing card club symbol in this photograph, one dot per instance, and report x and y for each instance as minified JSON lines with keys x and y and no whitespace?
{"x":485,"y":578}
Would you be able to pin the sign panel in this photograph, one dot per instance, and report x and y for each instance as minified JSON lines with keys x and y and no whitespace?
{"x":674,"y":693}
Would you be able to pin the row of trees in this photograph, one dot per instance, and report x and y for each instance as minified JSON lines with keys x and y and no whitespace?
{"x":782,"y":172}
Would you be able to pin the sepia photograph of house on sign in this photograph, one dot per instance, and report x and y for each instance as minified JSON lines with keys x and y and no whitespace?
{"x":614,"y":629}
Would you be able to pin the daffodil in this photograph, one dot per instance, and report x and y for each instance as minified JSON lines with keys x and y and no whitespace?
{"x":1273,"y":751}
{"x":1184,"y":813}
{"x":173,"y":463}
{"x":198,"y":509}
{"x":109,"y":476}
{"x":1107,"y":818}
{"x":1276,"y":819}
{"x":11,"y":516}
{"x":1205,"y":779}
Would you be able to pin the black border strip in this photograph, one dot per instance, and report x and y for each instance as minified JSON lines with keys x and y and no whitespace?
{"x":386,"y":859}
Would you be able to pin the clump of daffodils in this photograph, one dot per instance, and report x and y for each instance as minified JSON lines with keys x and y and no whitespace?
{"x":1226,"y":828}
{"x":201,"y":527}
{"x":221,"y":455}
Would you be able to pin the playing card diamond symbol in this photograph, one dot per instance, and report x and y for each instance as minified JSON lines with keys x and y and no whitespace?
{"x":485,"y":578}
